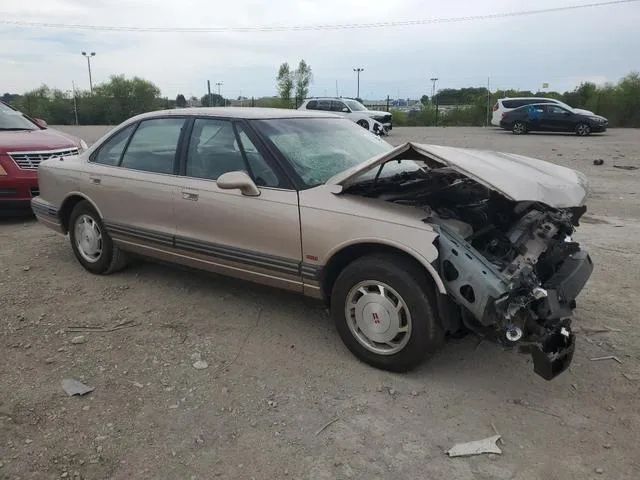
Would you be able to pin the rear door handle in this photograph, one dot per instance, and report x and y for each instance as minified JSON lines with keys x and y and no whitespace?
{"x":190,"y":196}
{"x":95,"y":180}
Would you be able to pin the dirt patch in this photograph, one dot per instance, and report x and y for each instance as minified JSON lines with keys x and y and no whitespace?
{"x":277,"y":372}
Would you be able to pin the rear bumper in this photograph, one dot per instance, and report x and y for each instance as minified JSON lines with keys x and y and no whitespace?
{"x":47,"y":214}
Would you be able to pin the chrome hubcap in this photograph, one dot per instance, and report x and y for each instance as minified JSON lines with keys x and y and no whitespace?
{"x":88,"y":238}
{"x":583,"y":129}
{"x":518,"y":128}
{"x":378,"y":317}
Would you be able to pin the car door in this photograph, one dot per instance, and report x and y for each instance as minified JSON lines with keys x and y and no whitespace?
{"x":557,"y":118}
{"x":132,"y":180}
{"x":256,"y":238}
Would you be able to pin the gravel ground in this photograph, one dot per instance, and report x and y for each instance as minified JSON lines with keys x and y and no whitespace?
{"x":277,"y":371}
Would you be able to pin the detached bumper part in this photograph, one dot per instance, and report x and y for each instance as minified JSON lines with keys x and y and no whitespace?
{"x":554,"y":355}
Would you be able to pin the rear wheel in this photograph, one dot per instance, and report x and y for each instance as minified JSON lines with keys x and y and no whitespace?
{"x":519,"y":128}
{"x":583,"y":129}
{"x":364,"y":124}
{"x":91,"y":243}
{"x":384,"y":312}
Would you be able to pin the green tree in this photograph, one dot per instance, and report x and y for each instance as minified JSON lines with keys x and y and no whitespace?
{"x":212,"y":101}
{"x":285,"y":83}
{"x":303,"y":79}
{"x":181,"y":102}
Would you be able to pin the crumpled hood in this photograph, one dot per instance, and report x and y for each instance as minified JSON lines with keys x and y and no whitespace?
{"x":517,"y":177}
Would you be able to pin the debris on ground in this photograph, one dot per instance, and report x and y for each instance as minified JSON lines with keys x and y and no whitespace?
{"x":74,"y":387}
{"x":326,"y":425}
{"x":608,"y":357}
{"x":100,"y":328}
{"x":626,"y":167}
{"x":495,"y":430}
{"x":78,"y":340}
{"x":631,"y":378}
{"x":599,"y":471}
{"x":477,"y":447}
{"x":200,"y":365}
{"x":599,"y":161}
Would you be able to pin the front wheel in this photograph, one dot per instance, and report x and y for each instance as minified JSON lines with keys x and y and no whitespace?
{"x":582,"y":129}
{"x":91,"y":243}
{"x":519,"y":128}
{"x":364,"y":124}
{"x":384,"y":312}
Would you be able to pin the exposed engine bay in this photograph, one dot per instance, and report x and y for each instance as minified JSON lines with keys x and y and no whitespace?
{"x":511,"y":269}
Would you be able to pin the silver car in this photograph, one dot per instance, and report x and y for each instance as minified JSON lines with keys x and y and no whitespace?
{"x":406,"y":245}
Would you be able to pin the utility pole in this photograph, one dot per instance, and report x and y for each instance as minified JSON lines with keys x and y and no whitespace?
{"x":488,"y":102}
{"x":88,"y":57}
{"x":209,"y":93}
{"x":75,"y":104}
{"x":433,"y":94}
{"x":358,"y":70}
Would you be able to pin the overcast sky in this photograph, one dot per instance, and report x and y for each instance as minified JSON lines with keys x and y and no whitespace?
{"x":562,"y":48}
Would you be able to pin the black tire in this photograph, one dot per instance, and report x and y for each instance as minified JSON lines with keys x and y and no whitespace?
{"x":583,"y":129}
{"x":364,"y":124}
{"x":409,"y":280}
{"x":519,"y":128}
{"x":111,"y":258}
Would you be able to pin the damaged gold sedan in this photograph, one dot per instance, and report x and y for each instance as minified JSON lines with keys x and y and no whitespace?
{"x":406,"y":244}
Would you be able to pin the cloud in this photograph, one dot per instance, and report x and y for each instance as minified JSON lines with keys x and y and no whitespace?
{"x":517,"y":52}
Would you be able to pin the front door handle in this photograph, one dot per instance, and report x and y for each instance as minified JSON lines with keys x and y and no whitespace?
{"x":95,"y":180}
{"x":190,"y":196}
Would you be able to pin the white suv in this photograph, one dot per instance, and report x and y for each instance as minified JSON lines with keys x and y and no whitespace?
{"x":376,"y":121}
{"x":504,"y":105}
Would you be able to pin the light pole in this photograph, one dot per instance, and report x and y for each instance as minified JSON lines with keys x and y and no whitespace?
{"x":358,"y":70}
{"x":88,"y":57}
{"x":219,"y":84}
{"x":433,"y":94}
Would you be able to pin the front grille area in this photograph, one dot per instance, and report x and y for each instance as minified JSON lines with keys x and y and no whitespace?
{"x":31,"y":160}
{"x":35,"y":191}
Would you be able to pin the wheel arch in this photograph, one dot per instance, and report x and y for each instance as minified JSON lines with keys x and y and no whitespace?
{"x":346,"y":254}
{"x":67,"y":206}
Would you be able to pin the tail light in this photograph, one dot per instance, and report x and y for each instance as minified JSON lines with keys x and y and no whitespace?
{"x":495,"y":107}
{"x":503,"y":114}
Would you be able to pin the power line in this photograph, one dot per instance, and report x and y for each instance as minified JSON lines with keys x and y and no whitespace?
{"x":283,"y":28}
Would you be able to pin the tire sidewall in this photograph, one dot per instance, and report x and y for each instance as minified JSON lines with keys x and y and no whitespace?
{"x":587,"y":132}
{"x":424,"y":331}
{"x":102,"y":265}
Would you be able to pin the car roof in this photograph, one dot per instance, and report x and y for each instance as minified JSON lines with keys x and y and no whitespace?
{"x":249,"y":113}
{"x":530,"y":98}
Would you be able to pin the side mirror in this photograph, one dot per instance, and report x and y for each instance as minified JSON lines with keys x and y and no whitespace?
{"x":345,"y":110}
{"x":41,"y":123}
{"x":238,"y":180}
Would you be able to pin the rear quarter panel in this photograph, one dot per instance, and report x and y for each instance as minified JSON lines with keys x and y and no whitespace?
{"x":58,"y":179}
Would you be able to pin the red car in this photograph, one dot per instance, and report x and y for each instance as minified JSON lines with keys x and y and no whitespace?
{"x":24,"y":143}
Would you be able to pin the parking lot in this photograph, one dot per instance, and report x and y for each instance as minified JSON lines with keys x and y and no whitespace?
{"x":278,"y":372}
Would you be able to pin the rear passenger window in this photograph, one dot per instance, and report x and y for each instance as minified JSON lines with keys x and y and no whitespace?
{"x":512,"y":103}
{"x":324,"y":105}
{"x":312,"y":105}
{"x":111,"y":151}
{"x":153,"y":146}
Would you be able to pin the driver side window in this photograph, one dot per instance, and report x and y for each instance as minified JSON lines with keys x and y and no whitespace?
{"x":337,"y":106}
{"x":214,"y":149}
